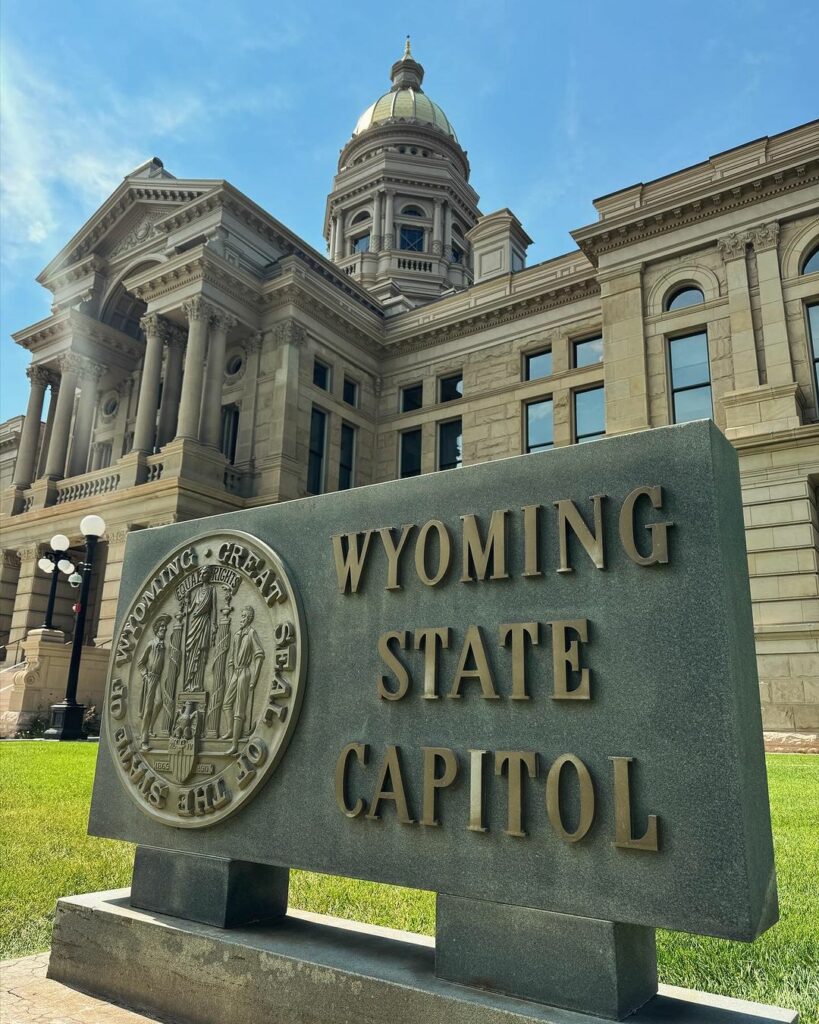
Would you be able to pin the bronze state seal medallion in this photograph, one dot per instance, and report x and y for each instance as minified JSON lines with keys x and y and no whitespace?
{"x":207,"y":679}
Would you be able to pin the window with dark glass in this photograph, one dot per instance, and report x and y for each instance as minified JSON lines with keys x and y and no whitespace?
{"x":587,"y":351}
{"x":449,"y":444}
{"x":409,"y":458}
{"x":451,"y":387}
{"x":229,"y":432}
{"x":690,"y":378}
{"x":411,"y":397}
{"x":589,"y":414}
{"x":412,"y":211}
{"x":811,"y":264}
{"x":321,"y":375}
{"x":360,"y":216}
{"x":537,"y":364}
{"x":346,"y":459}
{"x":539,"y":425}
{"x":315,"y":461}
{"x":350,"y":392}
{"x":411,"y":239}
{"x":813,"y":330}
{"x":456,"y":255}
{"x":361,"y":244}
{"x":683,"y":297}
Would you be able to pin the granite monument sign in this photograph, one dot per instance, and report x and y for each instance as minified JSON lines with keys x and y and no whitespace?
{"x":528,"y":686}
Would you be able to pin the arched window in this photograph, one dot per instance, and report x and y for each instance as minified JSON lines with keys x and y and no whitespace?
{"x":412,"y":211}
{"x":811,"y":264}
{"x":683,"y":297}
{"x":363,"y":215}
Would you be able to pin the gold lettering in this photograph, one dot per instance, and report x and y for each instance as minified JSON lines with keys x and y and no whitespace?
{"x":586,"y":798}
{"x":433,"y":781}
{"x":474,"y":651}
{"x":427,"y":640}
{"x":568,"y":516}
{"x":658,"y":531}
{"x":349,"y":559}
{"x":476,"y":554}
{"x":390,"y":767}
{"x":444,"y":552}
{"x":518,"y":631}
{"x":515,"y":759}
{"x":568,"y":657}
{"x":360,"y":751}
{"x":393,"y":664}
{"x":622,"y":812}
{"x":393,"y":553}
{"x":476,"y":791}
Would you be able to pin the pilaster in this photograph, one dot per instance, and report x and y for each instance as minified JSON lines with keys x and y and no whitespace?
{"x":765,"y":240}
{"x":733,"y":248}
{"x":626,"y":379}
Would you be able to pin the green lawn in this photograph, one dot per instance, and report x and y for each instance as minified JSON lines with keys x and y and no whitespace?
{"x":45,"y":790}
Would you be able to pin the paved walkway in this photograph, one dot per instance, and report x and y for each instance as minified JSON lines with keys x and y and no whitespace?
{"x":28,"y":997}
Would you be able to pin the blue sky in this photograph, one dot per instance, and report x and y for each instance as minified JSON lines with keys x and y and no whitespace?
{"x":556,"y":103}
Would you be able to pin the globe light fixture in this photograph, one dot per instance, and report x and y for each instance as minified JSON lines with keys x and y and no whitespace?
{"x":59,"y":542}
{"x":65,"y":565}
{"x":92,"y":526}
{"x":45,"y":564}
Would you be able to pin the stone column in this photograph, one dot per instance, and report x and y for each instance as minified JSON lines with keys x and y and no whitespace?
{"x":339,"y":235}
{"x":198,"y":313}
{"x":389,"y":221}
{"x":220,"y":324}
{"x":61,"y":431}
{"x":448,"y":230}
{"x":90,"y":373}
{"x":375,"y":238}
{"x":27,"y":452}
{"x":247,"y":407}
{"x":732,"y":248}
{"x":172,"y":389}
{"x":779,"y":368}
{"x":49,"y":427}
{"x":145,"y":427}
{"x":437,"y":239}
{"x":331,"y":244}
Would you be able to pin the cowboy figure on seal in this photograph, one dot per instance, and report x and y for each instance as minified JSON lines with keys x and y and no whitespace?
{"x":151,"y":665}
{"x":243,"y":668}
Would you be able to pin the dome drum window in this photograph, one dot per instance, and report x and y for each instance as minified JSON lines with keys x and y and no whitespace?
{"x":811,"y":264}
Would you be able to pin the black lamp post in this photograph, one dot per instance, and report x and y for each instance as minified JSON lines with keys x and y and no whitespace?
{"x":66,"y":717}
{"x":54,"y":560}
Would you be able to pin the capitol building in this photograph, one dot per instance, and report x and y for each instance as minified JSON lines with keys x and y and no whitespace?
{"x":200,"y":358}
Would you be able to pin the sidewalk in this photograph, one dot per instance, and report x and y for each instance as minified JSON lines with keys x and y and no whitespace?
{"x":28,"y":997}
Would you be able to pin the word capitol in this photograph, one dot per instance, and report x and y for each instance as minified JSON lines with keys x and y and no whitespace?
{"x":479,"y":553}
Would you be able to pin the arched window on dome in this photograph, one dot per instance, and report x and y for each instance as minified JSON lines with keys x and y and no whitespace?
{"x":682,"y":297}
{"x":811,"y":264}
{"x":361,"y":216}
{"x":412,"y":211}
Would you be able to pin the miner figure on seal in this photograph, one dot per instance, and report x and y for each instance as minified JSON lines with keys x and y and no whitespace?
{"x":151,"y":665}
{"x":243,"y":668}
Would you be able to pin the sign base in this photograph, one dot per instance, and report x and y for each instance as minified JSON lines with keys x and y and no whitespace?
{"x":306,"y":968}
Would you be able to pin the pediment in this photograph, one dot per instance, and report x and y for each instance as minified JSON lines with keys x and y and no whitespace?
{"x":126,"y":219}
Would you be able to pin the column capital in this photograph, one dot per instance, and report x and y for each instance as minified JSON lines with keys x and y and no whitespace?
{"x":154,"y":325}
{"x":222,"y":320}
{"x":765,"y":236}
{"x":90,"y":371}
{"x":197,"y":309}
{"x":253,"y":342}
{"x":733,"y":246}
{"x":176,"y":337}
{"x":38,"y":374}
{"x":289,"y":333}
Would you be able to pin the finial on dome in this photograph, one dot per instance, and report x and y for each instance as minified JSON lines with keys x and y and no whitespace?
{"x":407,"y":51}
{"x":407,"y":73}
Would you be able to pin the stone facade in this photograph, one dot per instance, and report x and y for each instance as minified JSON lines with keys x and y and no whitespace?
{"x":200,"y":357}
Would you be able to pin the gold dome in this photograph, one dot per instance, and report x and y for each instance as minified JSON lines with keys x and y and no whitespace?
{"x":405,"y":101}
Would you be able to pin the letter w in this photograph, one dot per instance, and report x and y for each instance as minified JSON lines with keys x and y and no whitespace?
{"x":350,"y":559}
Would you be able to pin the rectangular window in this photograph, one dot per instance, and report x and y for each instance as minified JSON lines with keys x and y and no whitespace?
{"x":321,"y":375}
{"x":411,"y":239}
{"x":449,"y":444}
{"x":690,"y":378}
{"x":410,"y":453}
{"x":587,"y":352}
{"x":813,"y":328}
{"x":411,"y":397}
{"x":350,"y":393}
{"x":589,"y":414}
{"x":315,"y":462}
{"x":537,"y":364}
{"x":361,"y":244}
{"x":451,"y":387}
{"x":539,"y":425}
{"x":229,"y":432}
{"x":346,"y":462}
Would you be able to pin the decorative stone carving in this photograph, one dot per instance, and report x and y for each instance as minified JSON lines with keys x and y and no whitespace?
{"x":733,"y":246}
{"x":153,"y":324}
{"x":197,"y":309}
{"x":220,"y":318}
{"x":207,"y":679}
{"x":38,"y":374}
{"x":289,"y":333}
{"x":765,"y":236}
{"x":175,"y":335}
{"x":253,"y":342}
{"x":141,"y":233}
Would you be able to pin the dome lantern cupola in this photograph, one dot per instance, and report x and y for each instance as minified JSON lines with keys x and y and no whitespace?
{"x":407,"y":73}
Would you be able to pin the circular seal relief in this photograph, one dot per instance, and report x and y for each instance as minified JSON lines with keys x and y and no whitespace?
{"x":206,"y":680}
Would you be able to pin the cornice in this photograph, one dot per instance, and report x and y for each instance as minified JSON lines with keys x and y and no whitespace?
{"x":717,"y":198}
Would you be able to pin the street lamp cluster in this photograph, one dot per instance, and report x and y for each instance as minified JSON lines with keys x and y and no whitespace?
{"x":67,"y":716}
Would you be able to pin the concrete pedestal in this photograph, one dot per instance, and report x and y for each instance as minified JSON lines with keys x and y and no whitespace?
{"x":308,"y":968}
